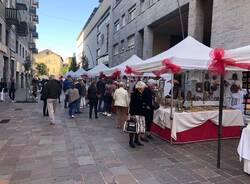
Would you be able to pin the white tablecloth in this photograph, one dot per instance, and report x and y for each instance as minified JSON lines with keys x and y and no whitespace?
{"x":244,"y":149}
{"x":187,"y":120}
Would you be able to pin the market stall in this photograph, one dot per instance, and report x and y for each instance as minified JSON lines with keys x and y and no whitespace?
{"x":94,"y":72}
{"x":80,"y":72}
{"x":195,"y":123}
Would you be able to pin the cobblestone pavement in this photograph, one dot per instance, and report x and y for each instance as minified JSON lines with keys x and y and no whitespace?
{"x":82,"y":151}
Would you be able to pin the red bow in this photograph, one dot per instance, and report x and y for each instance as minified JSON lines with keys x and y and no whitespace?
{"x":102,"y":75}
{"x":116,"y":74}
{"x":129,"y":70}
{"x":168,"y":66}
{"x":219,"y":63}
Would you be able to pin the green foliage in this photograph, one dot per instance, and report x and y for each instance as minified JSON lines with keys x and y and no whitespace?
{"x":64,"y":69}
{"x":85,"y":62}
{"x":41,"y":69}
{"x":73,"y":64}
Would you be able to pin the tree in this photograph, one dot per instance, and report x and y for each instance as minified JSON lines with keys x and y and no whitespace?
{"x":41,"y":69}
{"x":84,"y":61}
{"x":73,"y":64}
{"x":64,"y":69}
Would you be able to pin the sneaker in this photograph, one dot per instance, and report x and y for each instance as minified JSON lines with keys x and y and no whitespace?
{"x":109,"y":115}
{"x":52,"y":124}
{"x":104,"y":113}
{"x":144,"y":139}
{"x":96,"y":117}
{"x":72,"y":116}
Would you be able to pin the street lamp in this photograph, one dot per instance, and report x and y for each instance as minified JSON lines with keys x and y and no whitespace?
{"x":181,"y":20}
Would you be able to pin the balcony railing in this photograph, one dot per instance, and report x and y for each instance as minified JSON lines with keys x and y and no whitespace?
{"x":21,"y":6}
{"x":12,"y":16}
{"x":34,"y":51}
{"x":33,"y":10}
{"x":35,"y":3}
{"x":32,"y":45}
{"x":2,"y":9}
{"x":22,"y":29}
{"x":34,"y":35}
{"x":35,"y":19}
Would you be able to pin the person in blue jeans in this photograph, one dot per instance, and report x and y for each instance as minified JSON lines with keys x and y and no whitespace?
{"x":100,"y":85}
{"x":73,"y":97}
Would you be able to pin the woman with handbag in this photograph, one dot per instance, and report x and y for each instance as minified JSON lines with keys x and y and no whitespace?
{"x":137,"y":111}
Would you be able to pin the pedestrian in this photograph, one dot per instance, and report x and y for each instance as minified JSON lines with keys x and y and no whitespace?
{"x":121,"y":102}
{"x":83,"y":95}
{"x":108,"y":98}
{"x":137,"y":110}
{"x":52,"y":91}
{"x":100,"y":91}
{"x":44,"y":97}
{"x":79,"y":87}
{"x":60,"y":92}
{"x":12,"y":89}
{"x":34,"y":88}
{"x":67,"y":83}
{"x":3,"y":89}
{"x":93,"y":99}
{"x":73,"y":99}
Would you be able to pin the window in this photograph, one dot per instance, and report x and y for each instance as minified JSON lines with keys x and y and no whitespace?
{"x":20,"y":50}
{"x":1,"y":27}
{"x":142,"y":5}
{"x":98,"y":52}
{"x":131,"y":13}
{"x":23,"y":52}
{"x":123,"y":20}
{"x":131,"y":41}
{"x":117,"y":25}
{"x":99,"y":38}
{"x":122,"y":46}
{"x":116,"y":49}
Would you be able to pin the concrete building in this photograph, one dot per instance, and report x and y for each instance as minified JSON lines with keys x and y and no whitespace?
{"x":18,"y":33}
{"x":53,"y":61}
{"x":94,"y":39}
{"x":149,"y":27}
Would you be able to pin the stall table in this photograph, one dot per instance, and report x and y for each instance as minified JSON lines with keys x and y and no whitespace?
{"x":196,"y":126}
{"x":244,"y":149}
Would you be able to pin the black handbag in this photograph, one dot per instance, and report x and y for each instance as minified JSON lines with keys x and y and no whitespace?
{"x":130,"y":126}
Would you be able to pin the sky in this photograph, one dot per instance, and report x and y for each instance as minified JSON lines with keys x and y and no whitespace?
{"x":60,"y":22}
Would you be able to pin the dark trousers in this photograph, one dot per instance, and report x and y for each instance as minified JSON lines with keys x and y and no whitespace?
{"x":78,"y":103}
{"x":12,"y":94}
{"x":133,"y":138}
{"x":108,"y":103}
{"x":149,"y":119}
{"x":92,"y":105}
{"x":100,"y":102}
{"x":72,"y":108}
{"x":66,"y":99}
{"x":45,"y":109}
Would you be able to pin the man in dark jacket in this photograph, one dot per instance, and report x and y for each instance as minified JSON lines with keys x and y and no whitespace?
{"x":44,"y":98}
{"x":100,"y":91}
{"x":93,"y":100}
{"x":52,"y":90}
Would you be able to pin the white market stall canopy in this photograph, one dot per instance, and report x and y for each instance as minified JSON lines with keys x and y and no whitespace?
{"x":70,"y":73}
{"x":121,"y":67}
{"x":190,"y":54}
{"x":97,"y":69}
{"x":80,"y":72}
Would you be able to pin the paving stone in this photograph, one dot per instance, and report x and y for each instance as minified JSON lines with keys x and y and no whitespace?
{"x":80,"y":151}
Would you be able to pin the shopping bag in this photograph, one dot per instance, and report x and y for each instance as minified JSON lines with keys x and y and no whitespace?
{"x":131,"y":126}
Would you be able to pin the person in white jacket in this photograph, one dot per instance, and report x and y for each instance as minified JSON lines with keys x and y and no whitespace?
{"x":121,"y":102}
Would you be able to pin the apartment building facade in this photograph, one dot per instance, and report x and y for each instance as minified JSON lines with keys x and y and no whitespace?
{"x":149,"y":27}
{"x":18,"y":34}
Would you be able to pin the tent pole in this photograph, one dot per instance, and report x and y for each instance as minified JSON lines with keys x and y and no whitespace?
{"x":172,"y":97}
{"x":220,"y":121}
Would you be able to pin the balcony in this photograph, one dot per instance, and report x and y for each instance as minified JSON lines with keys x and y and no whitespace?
{"x":12,"y":16}
{"x":32,"y":28}
{"x":35,"y":3}
{"x":34,"y":35}
{"x":22,"y":29}
{"x":34,"y":51}
{"x":32,"y":45}
{"x":35,"y":19}
{"x":33,"y":10}
{"x":21,"y":6}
